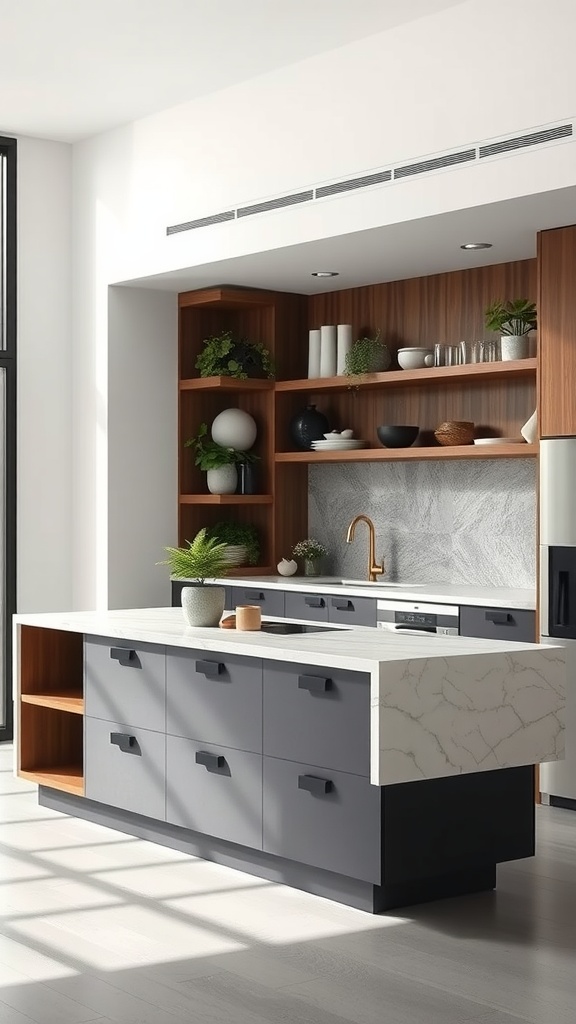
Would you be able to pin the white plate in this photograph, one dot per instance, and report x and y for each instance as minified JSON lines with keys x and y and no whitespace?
{"x":499,"y":440}
{"x":335,"y":446}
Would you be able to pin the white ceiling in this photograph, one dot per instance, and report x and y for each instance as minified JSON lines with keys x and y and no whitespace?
{"x":70,"y":69}
{"x":411,"y":249}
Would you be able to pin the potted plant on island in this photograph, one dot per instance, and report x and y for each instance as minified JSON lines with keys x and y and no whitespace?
{"x":241,"y":541}
{"x":513,"y":320}
{"x":310,"y":552}
{"x":225,"y":356}
{"x":218,"y":462}
{"x":204,"y":558}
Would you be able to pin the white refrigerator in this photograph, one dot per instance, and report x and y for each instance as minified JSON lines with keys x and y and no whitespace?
{"x":558,"y":596}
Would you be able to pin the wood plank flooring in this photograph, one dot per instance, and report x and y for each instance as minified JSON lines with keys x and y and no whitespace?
{"x":97,"y":926}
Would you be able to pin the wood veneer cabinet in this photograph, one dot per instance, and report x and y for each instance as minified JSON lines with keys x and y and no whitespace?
{"x":557,"y":331}
{"x":497,"y":397}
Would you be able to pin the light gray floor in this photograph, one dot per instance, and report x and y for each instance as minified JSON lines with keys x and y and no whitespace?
{"x":96,"y":926}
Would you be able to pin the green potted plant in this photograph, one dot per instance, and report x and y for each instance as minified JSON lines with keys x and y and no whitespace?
{"x":217,"y":462}
{"x":203,"y":558}
{"x":241,"y":540}
{"x":310,"y":552}
{"x":513,"y":320}
{"x":367,"y":355}
{"x":225,"y":356}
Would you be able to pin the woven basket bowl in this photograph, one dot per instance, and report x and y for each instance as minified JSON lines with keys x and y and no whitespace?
{"x":455,"y":432}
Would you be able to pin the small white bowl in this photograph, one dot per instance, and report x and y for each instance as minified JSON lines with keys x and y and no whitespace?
{"x":413,"y":358}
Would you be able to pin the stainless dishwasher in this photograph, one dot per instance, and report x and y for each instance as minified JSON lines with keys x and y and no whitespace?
{"x":419,"y":619}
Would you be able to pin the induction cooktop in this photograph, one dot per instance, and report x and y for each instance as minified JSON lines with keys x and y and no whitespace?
{"x":284,"y":628}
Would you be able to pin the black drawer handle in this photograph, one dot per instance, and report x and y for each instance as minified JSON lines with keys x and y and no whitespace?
{"x":210,"y":761}
{"x":210,"y":668}
{"x":124,"y":656}
{"x":315,"y":602}
{"x":312,"y":784}
{"x":124,"y":741}
{"x":316,"y":684}
{"x":342,"y":605}
{"x":499,"y":618}
{"x":254,"y":595}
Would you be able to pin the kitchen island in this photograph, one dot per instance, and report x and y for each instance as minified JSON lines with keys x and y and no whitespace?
{"x":373,"y":769}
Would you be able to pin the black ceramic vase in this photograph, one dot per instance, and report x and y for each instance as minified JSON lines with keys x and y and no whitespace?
{"x":307,"y":426}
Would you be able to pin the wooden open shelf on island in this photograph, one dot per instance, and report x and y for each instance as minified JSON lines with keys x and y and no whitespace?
{"x":469,"y":373}
{"x":65,"y":700}
{"x":68,"y":778}
{"x":468,"y":451}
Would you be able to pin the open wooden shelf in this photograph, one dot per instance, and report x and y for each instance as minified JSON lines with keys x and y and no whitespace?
{"x":65,"y":700}
{"x":469,"y":451}
{"x":469,"y":373}
{"x":226,"y":384}
{"x":226,"y":499}
{"x":251,"y":570}
{"x":68,"y":778}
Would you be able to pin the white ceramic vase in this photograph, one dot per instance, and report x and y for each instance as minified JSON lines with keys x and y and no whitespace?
{"x":328,"y":351}
{"x":314,"y":354}
{"x":287,"y":566}
{"x":530,"y":429}
{"x":203,"y":605}
{"x":515,"y":346}
{"x":234,"y":428}
{"x":223,"y":480}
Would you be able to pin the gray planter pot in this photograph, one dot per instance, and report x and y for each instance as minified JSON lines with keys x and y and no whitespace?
{"x":515,"y":346}
{"x":203,"y":605}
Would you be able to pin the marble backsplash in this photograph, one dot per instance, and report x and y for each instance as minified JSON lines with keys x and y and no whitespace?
{"x":436,"y":522}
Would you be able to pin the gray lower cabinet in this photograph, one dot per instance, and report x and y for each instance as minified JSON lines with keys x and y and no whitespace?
{"x":125,"y":682}
{"x":498,"y":623}
{"x":214,"y":698}
{"x":125,"y":767}
{"x":352,"y":611}
{"x":270,"y":601}
{"x":215,"y":790}
{"x":319,"y":716}
{"x":306,"y":606}
{"x":323,"y":818}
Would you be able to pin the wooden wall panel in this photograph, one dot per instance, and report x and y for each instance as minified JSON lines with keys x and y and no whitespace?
{"x":557,"y":332}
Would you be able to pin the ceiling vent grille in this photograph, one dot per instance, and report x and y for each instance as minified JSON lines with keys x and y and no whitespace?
{"x":275,"y":204}
{"x":352,"y":183}
{"x":436,"y":164}
{"x":522,"y":141}
{"x":203,"y":222}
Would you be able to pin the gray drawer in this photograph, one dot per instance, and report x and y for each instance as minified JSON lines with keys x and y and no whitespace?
{"x":319,"y":716}
{"x":125,"y":767}
{"x":307,"y":606}
{"x":125,"y":682}
{"x":214,"y":698}
{"x":353,"y":611}
{"x":499,"y":624}
{"x":338,"y":830}
{"x":220,"y":794}
{"x":270,"y":601}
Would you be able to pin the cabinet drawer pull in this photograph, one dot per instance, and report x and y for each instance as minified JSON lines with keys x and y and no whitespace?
{"x":123,"y":740}
{"x":499,"y":618}
{"x":314,"y":602}
{"x":210,"y":668}
{"x":255,"y":595}
{"x":124,"y":656}
{"x":342,"y":605}
{"x":316,"y":684}
{"x":312,"y":784}
{"x":210,"y":761}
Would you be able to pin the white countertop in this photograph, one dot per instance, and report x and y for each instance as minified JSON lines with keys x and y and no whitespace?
{"x":439,"y":705}
{"x":441,"y":593}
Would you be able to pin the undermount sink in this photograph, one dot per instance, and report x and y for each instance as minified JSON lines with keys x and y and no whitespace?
{"x":382,"y":584}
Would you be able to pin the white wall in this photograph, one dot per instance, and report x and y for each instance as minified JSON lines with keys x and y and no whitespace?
{"x":44,"y":499}
{"x":452,"y":79}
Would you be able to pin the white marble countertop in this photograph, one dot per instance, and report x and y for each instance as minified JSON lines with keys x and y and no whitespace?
{"x":441,"y":593}
{"x":439,"y":705}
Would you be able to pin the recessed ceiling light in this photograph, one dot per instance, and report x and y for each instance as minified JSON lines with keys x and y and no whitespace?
{"x":324,"y":273}
{"x":477,"y":245}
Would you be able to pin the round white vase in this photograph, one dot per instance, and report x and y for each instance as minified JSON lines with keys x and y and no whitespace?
{"x":203,"y":605}
{"x":234,"y":428}
{"x":287,"y":566}
{"x":223,"y":480}
{"x":515,"y":346}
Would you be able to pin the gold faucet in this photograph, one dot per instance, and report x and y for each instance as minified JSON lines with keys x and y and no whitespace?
{"x":373,"y":569}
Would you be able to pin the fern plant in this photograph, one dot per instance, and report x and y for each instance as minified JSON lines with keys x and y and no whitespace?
{"x":204,"y":558}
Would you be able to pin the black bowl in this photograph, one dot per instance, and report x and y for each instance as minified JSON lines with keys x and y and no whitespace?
{"x":397,"y":437}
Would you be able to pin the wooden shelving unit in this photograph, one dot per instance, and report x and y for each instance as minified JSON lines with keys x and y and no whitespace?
{"x":68,"y":700}
{"x":499,"y":451}
{"x":225,"y":384}
{"x":226,"y":499}
{"x":471,"y":373}
{"x":68,"y":778}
